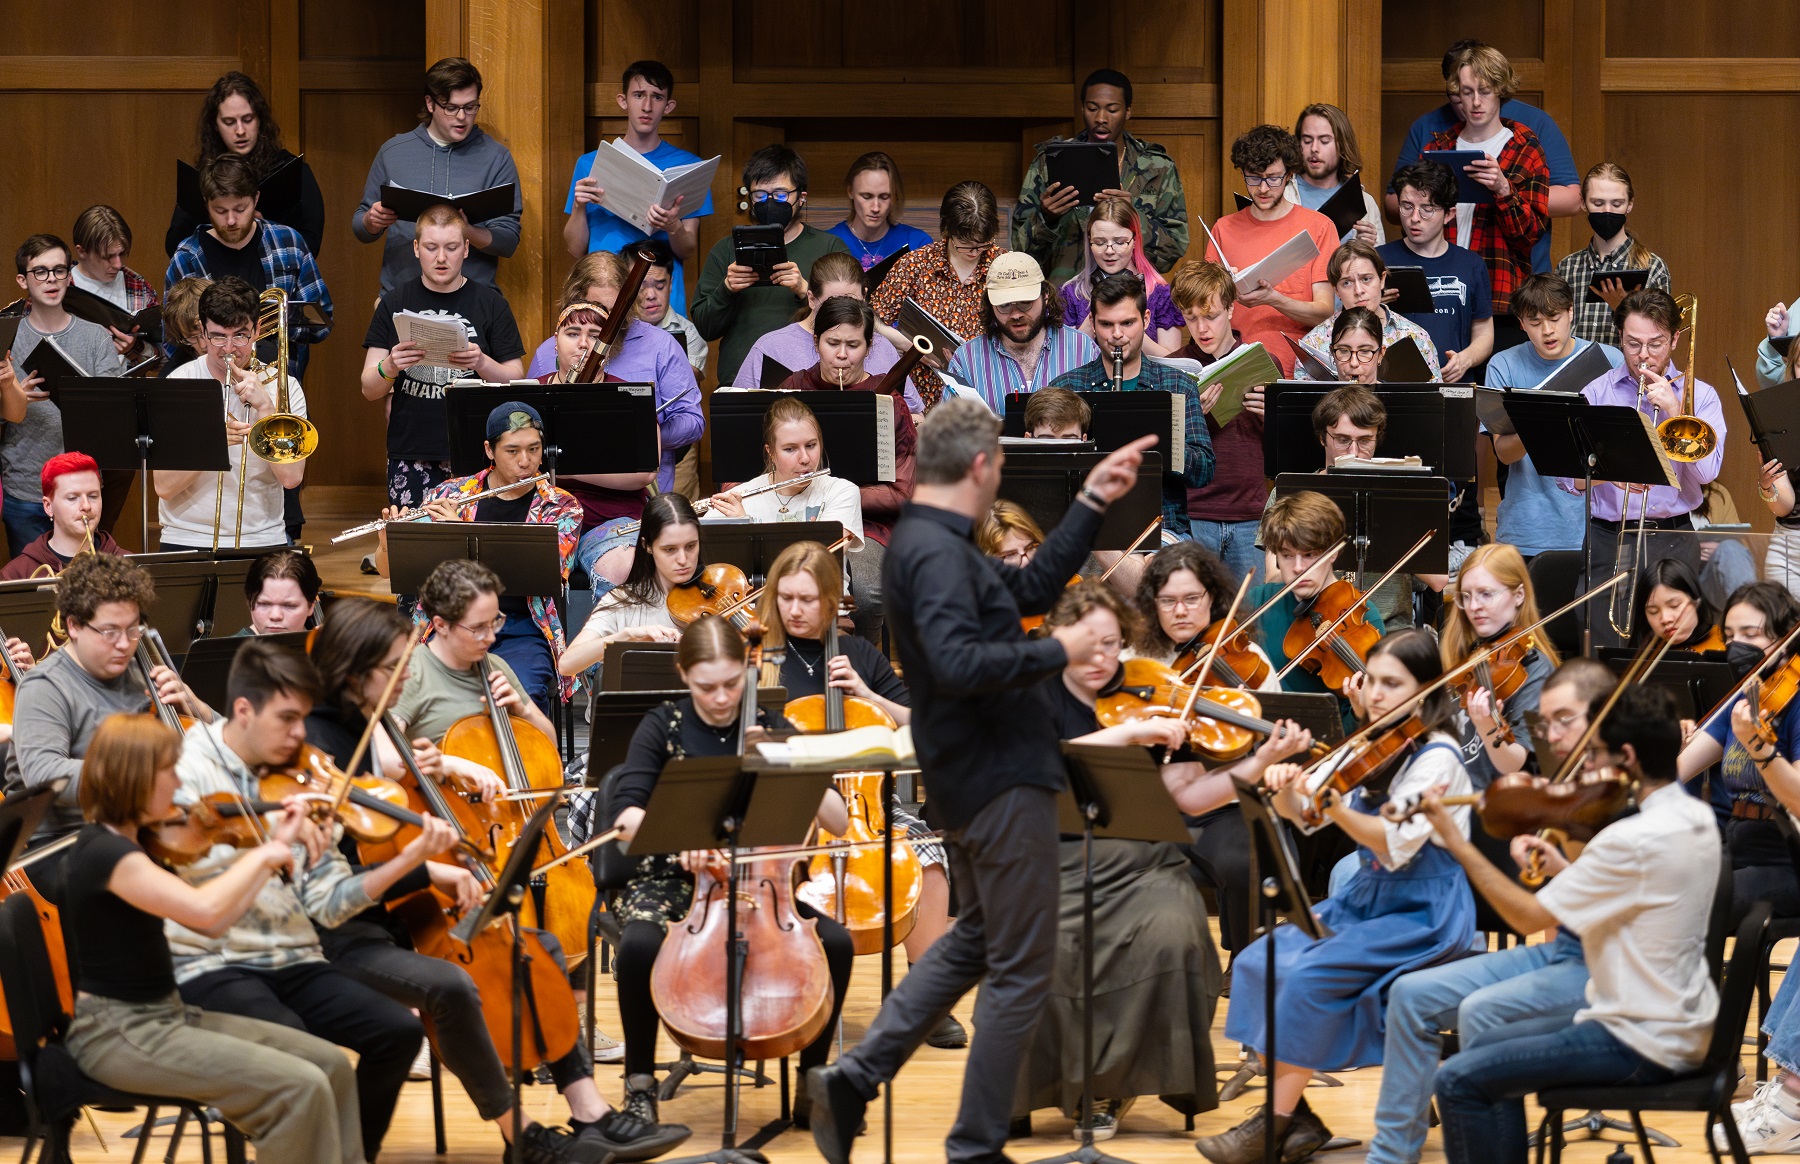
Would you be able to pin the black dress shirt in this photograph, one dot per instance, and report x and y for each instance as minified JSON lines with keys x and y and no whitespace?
{"x":981,"y":722}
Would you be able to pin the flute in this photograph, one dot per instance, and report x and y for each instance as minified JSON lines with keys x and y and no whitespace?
{"x":705,"y":503}
{"x":421,"y":514}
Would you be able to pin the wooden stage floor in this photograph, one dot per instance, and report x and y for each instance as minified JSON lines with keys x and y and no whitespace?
{"x":925,"y":1098}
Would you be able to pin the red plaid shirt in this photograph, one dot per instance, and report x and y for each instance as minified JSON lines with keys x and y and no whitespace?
{"x":1503,"y":232}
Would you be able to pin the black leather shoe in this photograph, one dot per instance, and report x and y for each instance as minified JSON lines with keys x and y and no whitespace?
{"x":837,"y":1112}
{"x":625,"y":1137}
{"x":948,"y":1036}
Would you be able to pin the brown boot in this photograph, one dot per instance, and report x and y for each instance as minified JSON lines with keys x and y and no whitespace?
{"x":1297,"y":1136}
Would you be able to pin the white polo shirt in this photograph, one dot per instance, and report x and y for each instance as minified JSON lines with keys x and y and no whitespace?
{"x":1640,"y":895}
{"x":187,"y":517}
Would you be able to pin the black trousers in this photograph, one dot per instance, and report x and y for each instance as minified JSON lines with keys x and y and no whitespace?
{"x":318,"y":998}
{"x":638,"y":946}
{"x":444,"y":993}
{"x":1220,"y":855}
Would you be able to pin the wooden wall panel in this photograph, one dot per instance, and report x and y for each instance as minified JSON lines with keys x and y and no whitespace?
{"x":341,"y":30}
{"x":1701,"y":28}
{"x":197,"y":28}
{"x":618,"y":34}
{"x":1423,"y":29}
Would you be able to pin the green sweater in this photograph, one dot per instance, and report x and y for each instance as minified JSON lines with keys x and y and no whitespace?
{"x":742,"y":319}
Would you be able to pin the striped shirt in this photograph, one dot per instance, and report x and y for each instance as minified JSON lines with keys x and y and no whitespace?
{"x":1394,"y":329}
{"x":985,"y":365}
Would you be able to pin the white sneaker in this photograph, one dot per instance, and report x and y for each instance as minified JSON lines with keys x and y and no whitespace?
{"x":606,"y":1049}
{"x":421,"y":1065}
{"x":1760,"y":1095}
{"x":1766,"y":1130}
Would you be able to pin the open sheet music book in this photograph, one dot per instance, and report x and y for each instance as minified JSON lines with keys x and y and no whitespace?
{"x":633,"y":184}
{"x":875,"y":742}
{"x":437,"y":335}
{"x":844,"y":419}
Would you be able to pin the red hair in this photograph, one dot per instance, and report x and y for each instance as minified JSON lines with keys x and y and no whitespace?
{"x":61,"y":465}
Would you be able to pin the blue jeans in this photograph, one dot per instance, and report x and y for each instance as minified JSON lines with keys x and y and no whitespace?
{"x":1480,"y":1093}
{"x":527,"y":652}
{"x":1783,"y":1027}
{"x":1527,"y":990}
{"x":600,"y":540}
{"x":25,"y":522}
{"x":1235,"y":544}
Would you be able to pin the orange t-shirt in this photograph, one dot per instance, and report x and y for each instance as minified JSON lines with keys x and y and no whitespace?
{"x":1247,"y":240}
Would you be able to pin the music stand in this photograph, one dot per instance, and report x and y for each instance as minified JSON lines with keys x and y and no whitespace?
{"x":22,"y":813}
{"x":753,"y":547}
{"x":207,"y":666}
{"x":183,"y":596}
{"x":617,"y":715}
{"x":28,"y":608}
{"x":524,"y":554}
{"x":709,"y":802}
{"x":1317,"y":713}
{"x":1385,"y":514}
{"x":1566,"y":436}
{"x":1278,"y":891}
{"x":1046,"y":484}
{"x":126,"y":423}
{"x":1434,"y":422}
{"x":629,"y":666}
{"x":1112,"y":792}
{"x":504,"y":899}
{"x":1696,"y":682}
{"x":588,"y":428}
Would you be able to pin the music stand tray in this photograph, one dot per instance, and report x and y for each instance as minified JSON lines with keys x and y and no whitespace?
{"x":524,"y":554}
{"x":588,"y":428}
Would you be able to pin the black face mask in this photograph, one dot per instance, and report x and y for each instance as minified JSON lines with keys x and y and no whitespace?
{"x":1742,"y":658}
{"x":1606,"y":225}
{"x":771,"y":213}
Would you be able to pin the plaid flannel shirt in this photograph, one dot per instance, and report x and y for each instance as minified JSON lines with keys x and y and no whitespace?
{"x":549,"y":507}
{"x":1593,"y":318}
{"x":1504,"y":232}
{"x":287,"y":263}
{"x":1153,"y":376}
{"x":139,"y":294}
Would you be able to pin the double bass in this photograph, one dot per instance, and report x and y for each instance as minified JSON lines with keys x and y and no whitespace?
{"x":526,"y":760}
{"x":858,"y":870}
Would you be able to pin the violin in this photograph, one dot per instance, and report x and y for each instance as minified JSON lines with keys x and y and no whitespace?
{"x":1224,"y":722}
{"x":1331,"y":636}
{"x":715,"y":589}
{"x":1501,"y":674}
{"x":551,"y":1022}
{"x":1769,"y":697}
{"x":1520,"y":803}
{"x":783,"y":981}
{"x":1235,"y":663}
{"x":219,"y":818}
{"x":854,"y":879}
{"x":1366,"y":759}
{"x":527,"y":759}
{"x":1712,"y":642}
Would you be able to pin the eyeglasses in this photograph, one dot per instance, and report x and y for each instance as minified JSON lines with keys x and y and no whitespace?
{"x":1008,"y":310}
{"x":1423,"y":210}
{"x":1469,"y":598}
{"x":234,"y":340}
{"x":110,"y":635}
{"x":1655,"y":347}
{"x":1018,"y":557}
{"x":1362,"y":444}
{"x":1268,"y":182}
{"x":1111,"y":646}
{"x":1566,"y":721}
{"x":1112,"y":244}
{"x":972,"y":250}
{"x":483,"y":629}
{"x":467,"y":109}
{"x":1345,"y":355}
{"x":49,"y":274}
{"x":1169,"y":603}
{"x":761,"y":196}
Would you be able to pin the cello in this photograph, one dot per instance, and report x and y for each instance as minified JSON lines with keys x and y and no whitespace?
{"x":858,"y":872}
{"x":527,"y":760}
{"x":780,"y":979}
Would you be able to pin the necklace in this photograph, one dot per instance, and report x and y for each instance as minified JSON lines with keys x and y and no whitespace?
{"x":811,"y":668}
{"x":782,"y":503}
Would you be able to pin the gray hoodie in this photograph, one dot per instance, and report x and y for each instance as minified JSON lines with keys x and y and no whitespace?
{"x":415,"y":161}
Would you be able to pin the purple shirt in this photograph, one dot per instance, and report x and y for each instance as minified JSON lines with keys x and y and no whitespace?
{"x":1620,"y":387}
{"x":1160,"y":303}
{"x":796,"y":349}
{"x":650,"y":355}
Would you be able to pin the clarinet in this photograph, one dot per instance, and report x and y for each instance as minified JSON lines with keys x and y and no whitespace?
{"x":1118,"y":376}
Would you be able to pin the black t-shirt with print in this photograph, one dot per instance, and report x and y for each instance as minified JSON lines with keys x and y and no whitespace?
{"x":418,"y":426}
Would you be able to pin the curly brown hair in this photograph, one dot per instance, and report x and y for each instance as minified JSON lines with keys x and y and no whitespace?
{"x":93,"y":580}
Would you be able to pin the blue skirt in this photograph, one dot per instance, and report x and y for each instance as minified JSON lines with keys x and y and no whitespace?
{"x":1331,"y":995}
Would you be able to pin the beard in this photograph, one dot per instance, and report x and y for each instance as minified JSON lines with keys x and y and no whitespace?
{"x":1036,"y":329}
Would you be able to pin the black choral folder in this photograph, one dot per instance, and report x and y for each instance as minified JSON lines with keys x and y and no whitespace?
{"x":1774,"y":418}
{"x":478,"y":206}
{"x":857,"y":428}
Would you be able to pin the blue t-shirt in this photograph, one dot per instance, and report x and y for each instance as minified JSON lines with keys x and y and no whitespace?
{"x":1459,"y":291}
{"x":608,"y":232}
{"x":1313,"y":197}
{"x":1737,"y":775}
{"x":897,"y":236}
{"x":1536,"y":515}
{"x":1550,"y":140}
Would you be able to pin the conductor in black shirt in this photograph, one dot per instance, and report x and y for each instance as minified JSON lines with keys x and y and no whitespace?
{"x":987,"y":744}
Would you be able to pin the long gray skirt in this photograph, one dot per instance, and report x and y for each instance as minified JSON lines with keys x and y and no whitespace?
{"x":1156,"y":983}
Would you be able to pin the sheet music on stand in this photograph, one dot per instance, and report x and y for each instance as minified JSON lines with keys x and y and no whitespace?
{"x":857,"y":429}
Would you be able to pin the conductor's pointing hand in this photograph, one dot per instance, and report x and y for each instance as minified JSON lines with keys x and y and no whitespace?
{"x":1114,"y":477}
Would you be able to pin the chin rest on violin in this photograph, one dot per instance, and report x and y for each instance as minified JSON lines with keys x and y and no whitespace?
{"x":1520,"y":803}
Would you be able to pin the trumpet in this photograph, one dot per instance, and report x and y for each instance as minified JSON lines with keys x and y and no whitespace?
{"x":421,"y":513}
{"x":705,"y":503}
{"x":1685,"y":437}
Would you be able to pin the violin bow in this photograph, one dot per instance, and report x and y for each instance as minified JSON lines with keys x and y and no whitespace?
{"x":1362,"y":599}
{"x":381,"y":706}
{"x":1206,"y":661}
{"x":1251,"y":618}
{"x":1132,"y":548}
{"x":1755,"y":676}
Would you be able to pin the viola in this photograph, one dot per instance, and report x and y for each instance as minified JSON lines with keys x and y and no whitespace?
{"x":714,"y":590}
{"x":1501,"y":674}
{"x":1224,"y":722}
{"x":1335,"y":656}
{"x":526,"y":759}
{"x":1713,"y":641}
{"x":858,"y":871}
{"x":1235,"y":664}
{"x":373,"y":809}
{"x":551,"y":1023}
{"x":1519,"y":803}
{"x":1769,"y":697}
{"x":783,"y":980}
{"x":1367,"y":759}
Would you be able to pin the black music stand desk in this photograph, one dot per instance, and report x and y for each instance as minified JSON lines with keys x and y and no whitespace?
{"x":753,"y":546}
{"x":1385,"y":513}
{"x":524,"y":554}
{"x":1046,"y":484}
{"x":607,"y":427}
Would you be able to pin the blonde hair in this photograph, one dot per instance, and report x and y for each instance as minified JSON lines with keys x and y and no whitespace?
{"x":1488,"y":64}
{"x":597,"y":268}
{"x":1639,"y":255}
{"x":1458,"y":640}
{"x":1004,"y":518}
{"x":1198,"y":284}
{"x":800,"y":558}
{"x":443,"y":214}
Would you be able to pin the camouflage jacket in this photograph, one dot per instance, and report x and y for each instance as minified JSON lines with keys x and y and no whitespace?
{"x":1149,"y":177}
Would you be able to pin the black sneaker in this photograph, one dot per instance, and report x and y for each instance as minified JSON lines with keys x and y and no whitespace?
{"x":546,"y":1145}
{"x":625,"y":1137}
{"x":837,"y":1112}
{"x":949,"y":1035}
{"x":1306,"y":1134}
{"x":640,"y":1098}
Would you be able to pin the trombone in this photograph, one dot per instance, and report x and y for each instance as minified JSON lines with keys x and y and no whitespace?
{"x":280,"y":438}
{"x":1685,"y":437}
{"x":1621,"y":608}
